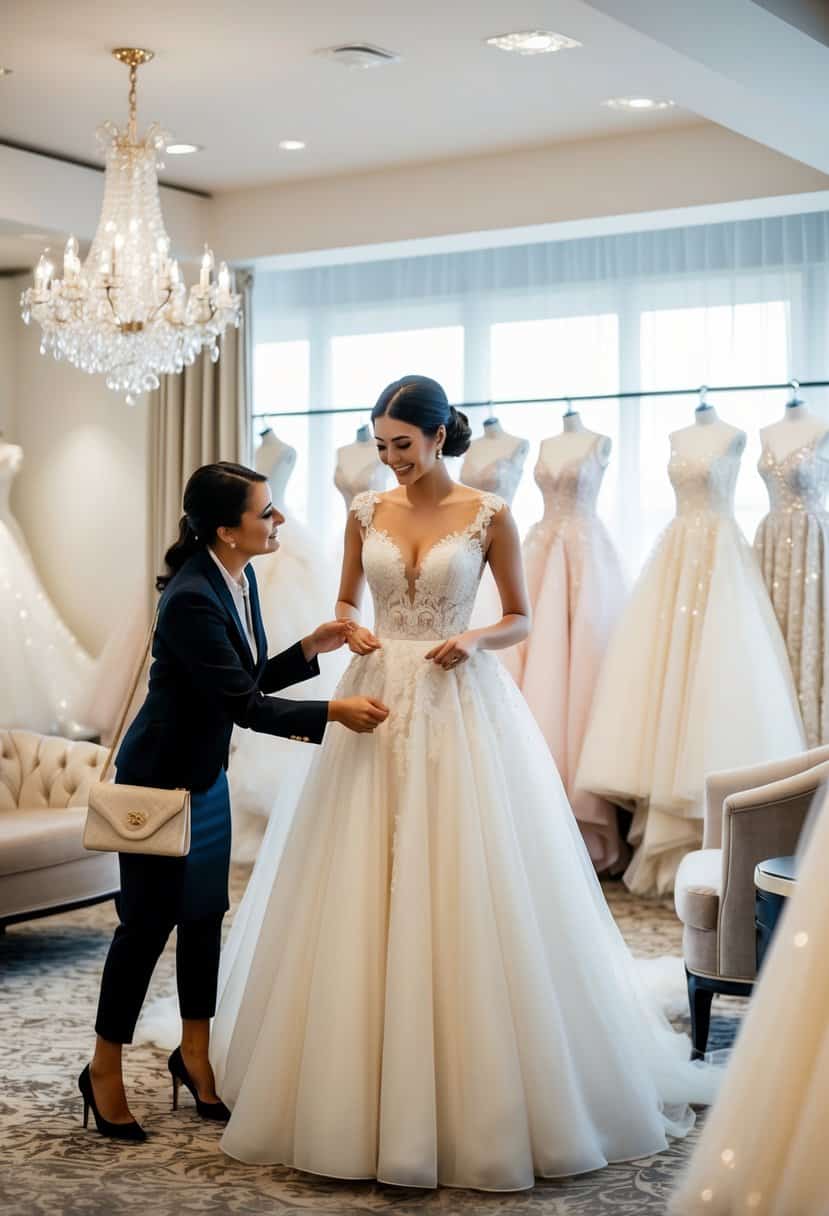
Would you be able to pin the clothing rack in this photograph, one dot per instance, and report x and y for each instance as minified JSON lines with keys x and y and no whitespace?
{"x":794,"y":385}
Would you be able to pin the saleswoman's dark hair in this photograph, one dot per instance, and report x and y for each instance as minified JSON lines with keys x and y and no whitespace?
{"x":216,"y":496}
{"x":423,"y":403}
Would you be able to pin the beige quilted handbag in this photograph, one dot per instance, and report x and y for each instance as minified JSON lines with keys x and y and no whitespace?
{"x":136,"y":818}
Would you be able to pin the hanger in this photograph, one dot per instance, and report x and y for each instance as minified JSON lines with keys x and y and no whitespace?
{"x":363,"y":433}
{"x":569,"y":412}
{"x":267,"y":431}
{"x":703,"y":404}
{"x":794,"y":400}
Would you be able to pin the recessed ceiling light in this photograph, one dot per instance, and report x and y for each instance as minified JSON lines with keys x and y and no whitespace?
{"x":291,"y":145}
{"x":533,"y":42}
{"x":639,"y":103}
{"x":182,"y":149}
{"x":5,"y":71}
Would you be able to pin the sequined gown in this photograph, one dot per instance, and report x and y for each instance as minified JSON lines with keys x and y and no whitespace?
{"x":423,"y":983}
{"x":44,"y":672}
{"x":791,"y":545}
{"x":696,"y":676}
{"x":577,"y":590}
{"x":762,"y":1151}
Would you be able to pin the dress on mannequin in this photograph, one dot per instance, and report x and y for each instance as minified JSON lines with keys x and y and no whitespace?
{"x":45,"y":672}
{"x":696,"y":676}
{"x":791,"y":545}
{"x":493,"y":463}
{"x":359,"y":468}
{"x":577,"y":590}
{"x":296,"y":594}
{"x":423,"y":982}
{"x":763,"y":1148}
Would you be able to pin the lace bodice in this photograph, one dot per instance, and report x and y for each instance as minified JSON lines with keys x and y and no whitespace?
{"x":798,"y":482}
{"x":573,"y":487}
{"x":705,"y":484}
{"x":445,"y":585}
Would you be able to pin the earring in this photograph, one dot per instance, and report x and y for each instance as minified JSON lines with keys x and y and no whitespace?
{"x":233,"y":544}
{"x":439,"y":454}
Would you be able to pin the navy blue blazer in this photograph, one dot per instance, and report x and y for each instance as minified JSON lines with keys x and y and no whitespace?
{"x":203,"y":680}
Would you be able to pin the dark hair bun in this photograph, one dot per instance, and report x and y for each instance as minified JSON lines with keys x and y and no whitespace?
{"x":458,"y":433}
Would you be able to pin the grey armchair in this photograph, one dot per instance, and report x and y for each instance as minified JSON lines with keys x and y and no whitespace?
{"x":751,"y":814}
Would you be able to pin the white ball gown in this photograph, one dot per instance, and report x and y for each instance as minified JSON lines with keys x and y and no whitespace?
{"x":763,"y":1148}
{"x":577,"y":591}
{"x":296,"y":593}
{"x":792,"y":545}
{"x":423,"y":983}
{"x":696,"y":676}
{"x":46,"y":674}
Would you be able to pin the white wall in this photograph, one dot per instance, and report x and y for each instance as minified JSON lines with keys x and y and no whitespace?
{"x":681,"y":167}
{"x":81,"y":497}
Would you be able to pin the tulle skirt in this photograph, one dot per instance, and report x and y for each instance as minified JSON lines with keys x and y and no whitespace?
{"x":763,"y":1149}
{"x":793,"y":550}
{"x":696,"y":679}
{"x":297,"y":592}
{"x":423,"y":983}
{"x":577,"y":591}
{"x":46,"y":674}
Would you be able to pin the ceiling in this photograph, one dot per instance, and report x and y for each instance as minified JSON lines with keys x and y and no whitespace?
{"x":238,"y":79}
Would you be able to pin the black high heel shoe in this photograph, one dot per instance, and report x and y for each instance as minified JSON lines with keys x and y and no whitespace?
{"x":217,"y":1111}
{"x":117,"y":1131}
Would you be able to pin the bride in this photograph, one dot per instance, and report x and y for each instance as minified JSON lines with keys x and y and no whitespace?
{"x":423,"y":983}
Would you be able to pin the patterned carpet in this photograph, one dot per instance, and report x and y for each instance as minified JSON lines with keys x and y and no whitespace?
{"x":49,"y":972}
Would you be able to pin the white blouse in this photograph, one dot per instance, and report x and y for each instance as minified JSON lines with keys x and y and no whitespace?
{"x":241,"y":601}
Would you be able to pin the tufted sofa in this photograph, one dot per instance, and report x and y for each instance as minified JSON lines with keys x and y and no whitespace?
{"x":44,"y":784}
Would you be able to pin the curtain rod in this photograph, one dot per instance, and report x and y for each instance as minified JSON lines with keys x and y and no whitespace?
{"x":504,"y":401}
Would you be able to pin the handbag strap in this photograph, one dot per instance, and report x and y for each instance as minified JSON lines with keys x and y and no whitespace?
{"x":116,"y":738}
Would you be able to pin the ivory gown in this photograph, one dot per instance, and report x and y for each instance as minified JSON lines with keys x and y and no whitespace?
{"x":577,"y":591}
{"x":696,"y":677}
{"x":791,"y":544}
{"x":423,"y":983}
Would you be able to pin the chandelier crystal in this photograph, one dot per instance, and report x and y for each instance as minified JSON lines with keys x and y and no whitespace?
{"x":126,"y":313}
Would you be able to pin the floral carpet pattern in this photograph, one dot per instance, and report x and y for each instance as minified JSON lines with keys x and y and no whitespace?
{"x":49,"y":973}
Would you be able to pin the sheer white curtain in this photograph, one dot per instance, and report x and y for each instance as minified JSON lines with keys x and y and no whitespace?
{"x":737,"y":303}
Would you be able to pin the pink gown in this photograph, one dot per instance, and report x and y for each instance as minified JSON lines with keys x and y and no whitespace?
{"x":577,"y":590}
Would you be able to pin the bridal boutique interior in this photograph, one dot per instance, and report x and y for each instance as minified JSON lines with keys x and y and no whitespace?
{"x":607,"y":237}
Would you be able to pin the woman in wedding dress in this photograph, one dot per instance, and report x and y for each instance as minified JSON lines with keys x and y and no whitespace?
{"x":423,"y":983}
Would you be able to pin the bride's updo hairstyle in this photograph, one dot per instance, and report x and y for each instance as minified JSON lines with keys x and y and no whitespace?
{"x":422,"y":402}
{"x":216,"y":496}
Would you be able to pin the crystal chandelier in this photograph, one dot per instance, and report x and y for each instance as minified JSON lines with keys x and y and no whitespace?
{"x":126,"y":312}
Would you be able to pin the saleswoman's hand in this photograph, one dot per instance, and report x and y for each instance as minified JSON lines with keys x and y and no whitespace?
{"x":362,"y":640}
{"x":325,"y":638}
{"x":454,"y":651}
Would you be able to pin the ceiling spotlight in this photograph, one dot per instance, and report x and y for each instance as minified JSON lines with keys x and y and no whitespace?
{"x":291,"y":145}
{"x":639,"y":103}
{"x":183,"y":149}
{"x":532,"y":42}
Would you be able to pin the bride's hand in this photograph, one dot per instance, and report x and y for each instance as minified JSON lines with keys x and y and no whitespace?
{"x":454,"y":651}
{"x":362,"y":640}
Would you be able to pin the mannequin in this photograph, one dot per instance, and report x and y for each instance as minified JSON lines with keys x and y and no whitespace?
{"x":708,"y":438}
{"x":276,"y":461}
{"x":572,"y":444}
{"x":359,"y":467}
{"x":495,"y":461}
{"x":577,"y":591}
{"x":798,"y":427}
{"x":11,"y":458}
{"x":792,"y":546}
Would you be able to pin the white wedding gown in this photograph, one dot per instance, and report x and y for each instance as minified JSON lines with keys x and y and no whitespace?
{"x":423,"y":983}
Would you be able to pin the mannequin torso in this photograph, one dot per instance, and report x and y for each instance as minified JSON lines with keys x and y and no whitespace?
{"x":572,"y":445}
{"x":495,"y":461}
{"x":275,"y":460}
{"x":359,"y":468}
{"x":11,"y":458}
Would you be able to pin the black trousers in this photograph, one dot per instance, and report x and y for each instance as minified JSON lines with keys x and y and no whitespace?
{"x":136,"y":948}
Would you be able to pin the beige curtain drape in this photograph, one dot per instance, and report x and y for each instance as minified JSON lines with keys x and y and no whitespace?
{"x":197,"y":417}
